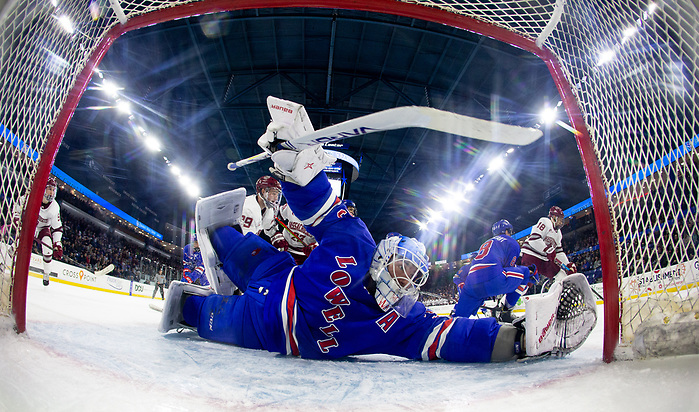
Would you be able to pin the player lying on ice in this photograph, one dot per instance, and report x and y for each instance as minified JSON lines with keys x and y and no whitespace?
{"x":350,"y":297}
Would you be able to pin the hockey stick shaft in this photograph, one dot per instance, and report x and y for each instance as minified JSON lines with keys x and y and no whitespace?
{"x":406,"y":117}
{"x":566,"y":268}
{"x":108,"y":269}
{"x":287,"y":228}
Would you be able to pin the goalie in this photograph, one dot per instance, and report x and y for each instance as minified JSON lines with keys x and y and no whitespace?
{"x":351,"y":296}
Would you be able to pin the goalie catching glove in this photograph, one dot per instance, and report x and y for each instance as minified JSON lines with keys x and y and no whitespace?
{"x":300,"y":167}
{"x":558,"y":322}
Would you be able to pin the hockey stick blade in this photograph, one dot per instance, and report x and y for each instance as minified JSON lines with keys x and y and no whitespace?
{"x":155,"y":307}
{"x":405,"y":117}
{"x":108,"y":269}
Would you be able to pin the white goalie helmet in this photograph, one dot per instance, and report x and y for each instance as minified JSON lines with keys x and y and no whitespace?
{"x":399,"y":267}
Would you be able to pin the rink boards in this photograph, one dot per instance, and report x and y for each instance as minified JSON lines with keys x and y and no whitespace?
{"x":75,"y":276}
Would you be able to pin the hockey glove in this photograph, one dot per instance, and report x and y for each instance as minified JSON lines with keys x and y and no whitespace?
{"x":571,"y":268}
{"x":309,"y":248}
{"x":300,"y":167}
{"x":276,"y":133}
{"x":279,"y":242}
{"x":533,"y":274}
{"x":57,"y":251}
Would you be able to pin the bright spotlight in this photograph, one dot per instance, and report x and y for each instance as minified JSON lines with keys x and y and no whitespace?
{"x":176,"y":171}
{"x":435,"y":215}
{"x":652,"y":7}
{"x":469,"y":187}
{"x":192,"y":190}
{"x":66,"y":23}
{"x":496,"y":164}
{"x":152,"y":144}
{"x":123,"y":107}
{"x":605,"y":57}
{"x":451,"y":204}
{"x":629,"y":32}
{"x":548,"y":115}
{"x":110,"y":88}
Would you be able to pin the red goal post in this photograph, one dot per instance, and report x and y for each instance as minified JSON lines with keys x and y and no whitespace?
{"x":612,"y":104}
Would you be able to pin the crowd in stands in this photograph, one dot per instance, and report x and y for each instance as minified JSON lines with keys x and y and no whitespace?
{"x":93,"y":247}
{"x":86,"y":246}
{"x":582,"y":247}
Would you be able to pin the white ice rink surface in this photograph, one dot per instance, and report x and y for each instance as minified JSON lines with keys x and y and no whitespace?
{"x":93,"y":351}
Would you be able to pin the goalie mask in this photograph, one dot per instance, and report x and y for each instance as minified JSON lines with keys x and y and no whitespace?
{"x":270,"y":190}
{"x":399,"y":268}
{"x":50,"y":191}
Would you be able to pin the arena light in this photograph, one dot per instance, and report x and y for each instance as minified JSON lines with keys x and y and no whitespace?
{"x":66,"y":24}
{"x":629,"y":32}
{"x":192,"y":190}
{"x":548,"y":115}
{"x":496,"y":164}
{"x":110,"y":88}
{"x":434,"y":216}
{"x":123,"y":107}
{"x":152,"y":144}
{"x":605,"y":57}
{"x":651,"y":8}
{"x":175,"y":170}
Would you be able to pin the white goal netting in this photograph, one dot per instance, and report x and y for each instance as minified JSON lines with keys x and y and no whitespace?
{"x":630,"y":68}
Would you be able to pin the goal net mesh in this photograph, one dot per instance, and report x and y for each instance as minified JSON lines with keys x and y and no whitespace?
{"x":632,"y":67}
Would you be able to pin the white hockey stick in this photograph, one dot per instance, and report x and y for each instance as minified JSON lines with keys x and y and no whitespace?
{"x":404,"y":117}
{"x":108,"y":269}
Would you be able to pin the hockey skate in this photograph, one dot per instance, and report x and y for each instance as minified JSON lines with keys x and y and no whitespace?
{"x":174,"y":302}
{"x":223,"y":209}
{"x":559,"y":322}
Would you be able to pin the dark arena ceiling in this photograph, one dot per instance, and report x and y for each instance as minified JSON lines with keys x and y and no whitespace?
{"x":200,"y":86}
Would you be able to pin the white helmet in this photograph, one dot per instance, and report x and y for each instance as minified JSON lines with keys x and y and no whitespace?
{"x":398,"y":287}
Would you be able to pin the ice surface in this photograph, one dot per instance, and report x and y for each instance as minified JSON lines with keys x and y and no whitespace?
{"x":86,"y":350}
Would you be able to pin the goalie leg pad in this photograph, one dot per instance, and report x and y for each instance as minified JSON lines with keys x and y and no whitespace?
{"x":172,"y":317}
{"x":223,"y":209}
{"x":559,"y":321}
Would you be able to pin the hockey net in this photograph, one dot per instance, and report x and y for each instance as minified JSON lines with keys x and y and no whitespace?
{"x":626,"y":70}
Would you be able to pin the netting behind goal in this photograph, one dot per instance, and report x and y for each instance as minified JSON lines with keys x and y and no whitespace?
{"x":626,"y":72}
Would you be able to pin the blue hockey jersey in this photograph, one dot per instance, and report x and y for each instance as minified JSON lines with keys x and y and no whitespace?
{"x":193,"y":270}
{"x":325,"y":308}
{"x":493,"y":272}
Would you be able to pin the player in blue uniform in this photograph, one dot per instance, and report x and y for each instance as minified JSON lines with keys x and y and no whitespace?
{"x":350,"y":296}
{"x":193,"y":271}
{"x":493,"y":272}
